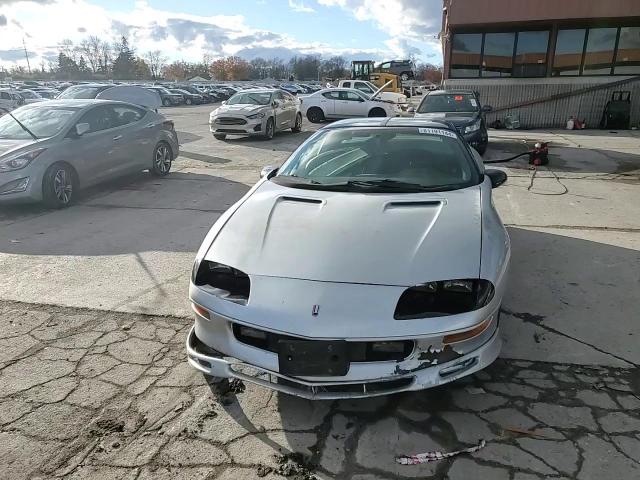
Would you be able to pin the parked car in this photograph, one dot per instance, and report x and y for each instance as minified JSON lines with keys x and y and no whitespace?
{"x":188,"y":98}
{"x":372,"y":262}
{"x":49,"y":150}
{"x":260,"y":112}
{"x":403,"y":68}
{"x":85,"y":91}
{"x":31,"y":97}
{"x":292,"y":88}
{"x":46,"y":93}
{"x":462,"y":108}
{"x":168,"y":99}
{"x":369,"y":89}
{"x":10,"y":99}
{"x":337,"y":103}
{"x":198,"y":90}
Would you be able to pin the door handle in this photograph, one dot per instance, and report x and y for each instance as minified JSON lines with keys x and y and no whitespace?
{"x":117,"y":137}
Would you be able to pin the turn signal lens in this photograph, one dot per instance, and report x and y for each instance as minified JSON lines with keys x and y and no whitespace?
{"x":474,"y":332}
{"x":201,"y":311}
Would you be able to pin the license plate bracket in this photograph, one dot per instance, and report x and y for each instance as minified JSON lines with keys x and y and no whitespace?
{"x":311,"y":358}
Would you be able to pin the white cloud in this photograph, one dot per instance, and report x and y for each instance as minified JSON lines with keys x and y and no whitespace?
{"x":407,"y":22}
{"x":299,"y":6}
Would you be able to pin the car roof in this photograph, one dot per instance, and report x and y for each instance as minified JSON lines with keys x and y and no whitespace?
{"x":389,"y":122}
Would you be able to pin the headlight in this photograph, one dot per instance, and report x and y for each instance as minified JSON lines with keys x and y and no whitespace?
{"x":473,"y":128}
{"x":18,"y":161}
{"x":447,"y":297}
{"x":227,"y":282}
{"x":256,"y":115}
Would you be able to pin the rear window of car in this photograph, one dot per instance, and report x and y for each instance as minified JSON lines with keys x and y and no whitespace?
{"x":430,"y":158}
{"x":449,"y":102}
{"x":82,"y":92}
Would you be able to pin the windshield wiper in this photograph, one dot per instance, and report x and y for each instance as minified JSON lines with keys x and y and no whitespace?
{"x":21,"y":125}
{"x":386,"y":183}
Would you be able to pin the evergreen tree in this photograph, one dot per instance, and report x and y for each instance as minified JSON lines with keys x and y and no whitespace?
{"x":124,"y":66}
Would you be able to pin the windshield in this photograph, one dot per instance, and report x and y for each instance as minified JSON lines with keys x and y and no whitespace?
{"x":81,"y":92}
{"x":28,"y":94}
{"x":449,"y":102}
{"x":385,"y":159}
{"x":250,"y":98}
{"x":43,"y":122}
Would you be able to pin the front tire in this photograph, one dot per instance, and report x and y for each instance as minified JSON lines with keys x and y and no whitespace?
{"x":162,"y":160}
{"x":297,"y":127}
{"x":166,"y":102}
{"x":59,"y":186}
{"x":481,"y":149}
{"x":188,"y":101}
{"x":315,"y":115}
{"x":269,"y":130}
{"x":377,"y":112}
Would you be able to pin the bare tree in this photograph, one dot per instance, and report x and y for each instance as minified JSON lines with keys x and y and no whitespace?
{"x":156,"y":62}
{"x":67,"y":48}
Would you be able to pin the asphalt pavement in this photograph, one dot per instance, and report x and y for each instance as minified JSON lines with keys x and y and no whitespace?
{"x":93,"y":313}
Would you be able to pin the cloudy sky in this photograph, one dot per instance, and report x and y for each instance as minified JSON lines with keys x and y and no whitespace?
{"x":187,"y":29}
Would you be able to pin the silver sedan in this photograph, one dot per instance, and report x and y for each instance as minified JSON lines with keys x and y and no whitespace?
{"x":48,"y":150}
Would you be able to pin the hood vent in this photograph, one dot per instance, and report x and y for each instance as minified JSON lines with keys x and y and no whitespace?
{"x":414,"y":204}
{"x":301,"y":200}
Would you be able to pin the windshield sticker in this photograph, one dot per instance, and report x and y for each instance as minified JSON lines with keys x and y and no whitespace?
{"x":473,"y":102}
{"x":458,"y":98}
{"x":437,"y":131}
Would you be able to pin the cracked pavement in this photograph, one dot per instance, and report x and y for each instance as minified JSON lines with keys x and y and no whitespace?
{"x":94,"y":381}
{"x":91,"y":394}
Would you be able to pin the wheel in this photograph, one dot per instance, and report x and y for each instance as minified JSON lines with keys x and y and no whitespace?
{"x":219,"y":136}
{"x":59,"y":186}
{"x":315,"y":115}
{"x":166,"y":102}
{"x":298,"y":125}
{"x":377,"y":112}
{"x":269,"y":130}
{"x":188,"y":101}
{"x":481,"y":148}
{"x":162,"y":159}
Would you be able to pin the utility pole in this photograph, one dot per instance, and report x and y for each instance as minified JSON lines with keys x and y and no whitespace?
{"x":26,"y":55}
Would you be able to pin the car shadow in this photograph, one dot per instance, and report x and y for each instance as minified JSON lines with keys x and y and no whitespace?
{"x":133,"y":214}
{"x":560,"y":292}
{"x":286,"y":141}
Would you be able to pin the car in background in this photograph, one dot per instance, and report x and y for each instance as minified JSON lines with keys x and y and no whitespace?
{"x":403,"y":68}
{"x":46,"y":93}
{"x":259,"y":112}
{"x":188,"y":98}
{"x":84,"y":91}
{"x":10,"y":99}
{"x":196,"y":90}
{"x":339,"y":103}
{"x":371,"y":262}
{"x":292,"y":88}
{"x":167,"y":98}
{"x":31,"y":97}
{"x":49,"y":150}
{"x":461,"y":108}
{"x":369,"y":89}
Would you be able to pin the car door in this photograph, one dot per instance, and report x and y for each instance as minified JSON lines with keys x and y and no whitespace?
{"x":134,"y":139}
{"x":291,"y":103}
{"x":92,"y":154}
{"x":351,"y":104}
{"x":327,"y":102}
{"x":281,"y":111}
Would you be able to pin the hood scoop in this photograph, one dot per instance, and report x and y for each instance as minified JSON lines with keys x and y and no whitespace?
{"x":300,"y":200}
{"x":414,"y":204}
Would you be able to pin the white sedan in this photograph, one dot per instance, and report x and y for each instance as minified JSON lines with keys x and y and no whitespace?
{"x":372,"y":262}
{"x":338,"y":103}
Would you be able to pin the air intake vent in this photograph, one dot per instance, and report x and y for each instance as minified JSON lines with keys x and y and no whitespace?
{"x":301,"y":200}
{"x":413,"y":204}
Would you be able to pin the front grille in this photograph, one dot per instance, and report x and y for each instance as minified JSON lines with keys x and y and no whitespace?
{"x":355,"y":388}
{"x":230,"y":121}
{"x":358,"y":351}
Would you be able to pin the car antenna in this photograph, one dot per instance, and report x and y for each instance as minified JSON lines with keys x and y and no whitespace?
{"x":20,"y":123}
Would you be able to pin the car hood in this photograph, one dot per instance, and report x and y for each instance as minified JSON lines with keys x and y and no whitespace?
{"x":7,"y":146}
{"x":240,"y":109}
{"x":383,"y":239}
{"x":457,"y":118}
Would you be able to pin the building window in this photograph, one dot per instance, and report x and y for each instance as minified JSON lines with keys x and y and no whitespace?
{"x":628,"y":56}
{"x":497,"y":59}
{"x":569,"y":48}
{"x":465,"y":55}
{"x":531,"y":54}
{"x":598,"y":58}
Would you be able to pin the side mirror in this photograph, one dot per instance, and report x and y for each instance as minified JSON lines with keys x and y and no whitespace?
{"x":497,"y":177}
{"x":268,"y":171}
{"x":82,"y":128}
{"x":487,"y":108}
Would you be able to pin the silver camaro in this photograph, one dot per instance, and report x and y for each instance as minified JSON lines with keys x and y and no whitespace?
{"x":372,"y":262}
{"x":48,"y":150}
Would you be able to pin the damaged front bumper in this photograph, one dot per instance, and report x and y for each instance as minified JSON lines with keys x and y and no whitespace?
{"x":425,"y":367}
